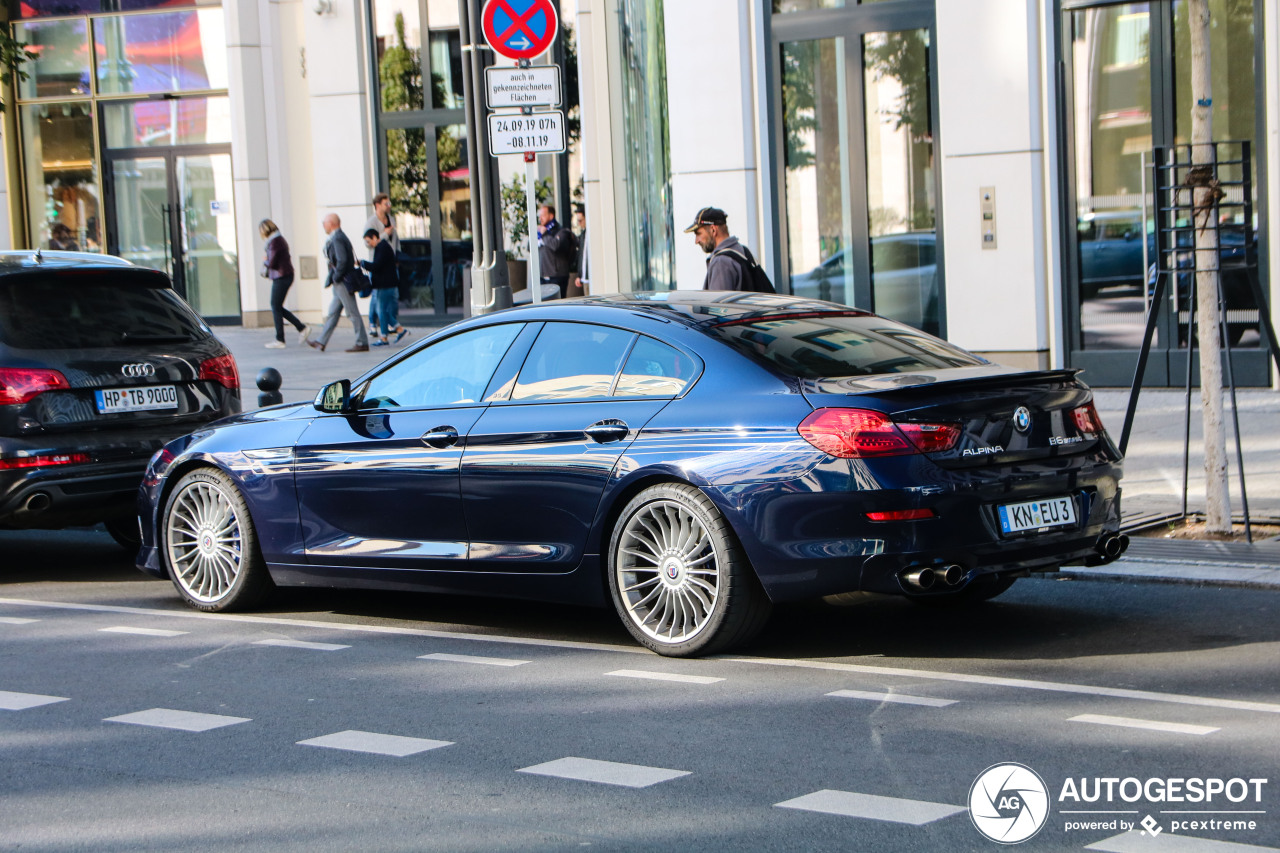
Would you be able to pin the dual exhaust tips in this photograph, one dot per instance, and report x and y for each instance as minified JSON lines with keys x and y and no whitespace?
{"x":930,"y":576}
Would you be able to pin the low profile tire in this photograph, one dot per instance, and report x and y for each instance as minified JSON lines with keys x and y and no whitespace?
{"x":678,"y":577}
{"x":209,"y":545}
{"x":125,"y":532}
{"x":979,"y":590}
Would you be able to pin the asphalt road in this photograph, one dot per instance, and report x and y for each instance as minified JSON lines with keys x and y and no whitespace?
{"x":371,"y":721}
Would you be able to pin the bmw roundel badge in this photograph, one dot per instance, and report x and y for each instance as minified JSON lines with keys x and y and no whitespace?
{"x":1022,"y":419}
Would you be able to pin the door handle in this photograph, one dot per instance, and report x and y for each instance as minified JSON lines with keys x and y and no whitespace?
{"x":441,"y":436}
{"x":606,"y":431}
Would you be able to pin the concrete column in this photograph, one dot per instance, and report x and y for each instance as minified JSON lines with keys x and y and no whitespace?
{"x":340,"y":133}
{"x":713,"y":120}
{"x":604,"y":170}
{"x":990,"y":79}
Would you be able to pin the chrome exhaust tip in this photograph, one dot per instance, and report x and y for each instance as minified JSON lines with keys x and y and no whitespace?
{"x":951,"y":575}
{"x":36,"y":503}
{"x":919,"y":578}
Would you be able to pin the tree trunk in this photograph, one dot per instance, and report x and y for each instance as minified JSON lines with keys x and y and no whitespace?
{"x":1204,"y":194}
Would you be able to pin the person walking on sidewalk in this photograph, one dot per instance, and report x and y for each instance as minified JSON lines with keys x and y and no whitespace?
{"x":278,"y":267}
{"x":386,"y":287}
{"x":342,"y":261}
{"x":385,"y":224}
{"x":730,"y":265}
{"x":557,"y":247}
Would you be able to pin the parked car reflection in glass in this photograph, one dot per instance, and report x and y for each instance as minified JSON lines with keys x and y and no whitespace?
{"x":904,"y":279}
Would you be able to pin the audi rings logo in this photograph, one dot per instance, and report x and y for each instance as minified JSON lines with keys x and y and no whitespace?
{"x":137,"y":371}
{"x":1022,"y":419}
{"x":1009,"y":803}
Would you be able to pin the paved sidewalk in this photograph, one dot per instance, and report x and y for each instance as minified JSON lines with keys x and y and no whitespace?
{"x":1153,"y":468}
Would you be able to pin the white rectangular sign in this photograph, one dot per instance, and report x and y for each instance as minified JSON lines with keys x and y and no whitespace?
{"x":537,"y":86}
{"x":514,"y":133}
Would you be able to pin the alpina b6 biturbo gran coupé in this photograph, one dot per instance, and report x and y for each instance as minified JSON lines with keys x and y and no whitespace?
{"x":688,"y":457}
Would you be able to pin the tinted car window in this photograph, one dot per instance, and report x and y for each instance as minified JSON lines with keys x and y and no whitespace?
{"x":572,"y":361}
{"x":831,"y":346}
{"x":450,"y":372}
{"x":86,"y":310}
{"x":654,"y":370}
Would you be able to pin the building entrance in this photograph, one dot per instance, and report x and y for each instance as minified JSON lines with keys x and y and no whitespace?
{"x":173,"y":210}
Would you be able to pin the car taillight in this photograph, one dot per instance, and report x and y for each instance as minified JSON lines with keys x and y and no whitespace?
{"x":20,"y":384}
{"x":222,"y":370}
{"x":1086,"y":419}
{"x":44,"y":461}
{"x":861,"y":433}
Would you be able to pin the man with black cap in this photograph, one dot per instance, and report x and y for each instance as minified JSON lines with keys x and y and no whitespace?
{"x":730,"y":261}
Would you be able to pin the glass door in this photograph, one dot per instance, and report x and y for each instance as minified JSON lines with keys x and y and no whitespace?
{"x":860,"y":182}
{"x":174,"y":211}
{"x":140,"y":210}
{"x":1127,"y":89}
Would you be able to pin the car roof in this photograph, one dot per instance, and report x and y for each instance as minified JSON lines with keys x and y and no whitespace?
{"x":32,"y":259}
{"x":702,"y":308}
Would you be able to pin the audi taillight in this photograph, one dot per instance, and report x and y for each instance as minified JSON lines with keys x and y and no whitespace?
{"x":861,"y":433}
{"x":44,"y":460}
{"x":1086,"y":419}
{"x":20,"y":384}
{"x":222,"y":370}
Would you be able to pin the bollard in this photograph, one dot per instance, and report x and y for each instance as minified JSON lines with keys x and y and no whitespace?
{"x":269,"y":381}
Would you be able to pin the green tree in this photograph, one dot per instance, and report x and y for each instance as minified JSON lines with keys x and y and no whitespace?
{"x":13,"y":55}
{"x":400,"y":76}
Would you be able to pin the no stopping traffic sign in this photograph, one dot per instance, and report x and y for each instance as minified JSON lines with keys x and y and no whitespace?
{"x":519,"y":29}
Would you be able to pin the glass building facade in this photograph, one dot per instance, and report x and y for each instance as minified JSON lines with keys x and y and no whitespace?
{"x":125,"y":129}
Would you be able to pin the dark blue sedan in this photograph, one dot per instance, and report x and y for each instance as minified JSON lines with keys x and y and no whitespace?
{"x":689,"y":457}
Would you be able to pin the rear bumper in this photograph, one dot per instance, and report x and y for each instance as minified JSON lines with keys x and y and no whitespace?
{"x":69,"y":496}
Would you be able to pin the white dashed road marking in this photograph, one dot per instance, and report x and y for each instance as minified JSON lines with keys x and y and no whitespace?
{"x":16,"y":620}
{"x":473,"y":659}
{"x":871,"y":807}
{"x":1166,"y":842}
{"x":23,"y":701}
{"x":606,"y":772}
{"x":665,"y":676}
{"x":300,"y":644}
{"x":378,"y":744}
{"x":1153,"y":725}
{"x":143,"y":632}
{"x":900,"y":698}
{"x":167,"y":718}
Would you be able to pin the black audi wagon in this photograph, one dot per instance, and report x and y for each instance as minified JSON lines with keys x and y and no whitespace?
{"x":101,"y":364}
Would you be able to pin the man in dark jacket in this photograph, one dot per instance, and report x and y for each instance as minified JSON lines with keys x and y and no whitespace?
{"x":725,"y":271}
{"x":386,"y":287}
{"x":557,"y":248}
{"x":337,"y":251}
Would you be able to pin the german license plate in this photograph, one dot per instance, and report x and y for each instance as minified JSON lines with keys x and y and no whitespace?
{"x":151,"y":398}
{"x":1036,"y":515}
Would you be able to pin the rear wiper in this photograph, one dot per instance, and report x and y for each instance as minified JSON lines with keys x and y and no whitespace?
{"x":144,"y":338}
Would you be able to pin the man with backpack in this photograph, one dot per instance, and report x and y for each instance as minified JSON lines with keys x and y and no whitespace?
{"x":731,"y":265}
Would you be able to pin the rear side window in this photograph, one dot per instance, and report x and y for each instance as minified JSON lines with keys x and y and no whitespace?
{"x":572,"y":361}
{"x":654,"y":370}
{"x":836,"y":345}
{"x":80,"y":311}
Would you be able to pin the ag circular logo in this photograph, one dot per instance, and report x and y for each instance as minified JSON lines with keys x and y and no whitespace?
{"x":1009,"y":803}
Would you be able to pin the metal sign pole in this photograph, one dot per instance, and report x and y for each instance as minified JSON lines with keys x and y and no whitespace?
{"x":531,"y":199}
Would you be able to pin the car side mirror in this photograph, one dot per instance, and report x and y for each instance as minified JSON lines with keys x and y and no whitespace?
{"x":334,"y":398}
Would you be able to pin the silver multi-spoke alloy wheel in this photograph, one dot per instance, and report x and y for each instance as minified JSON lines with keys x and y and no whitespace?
{"x":678,"y":576}
{"x":203,"y":541}
{"x":209,"y":543}
{"x":667,"y":572}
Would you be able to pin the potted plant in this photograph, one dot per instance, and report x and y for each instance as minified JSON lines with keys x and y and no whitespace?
{"x":515,"y":224}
